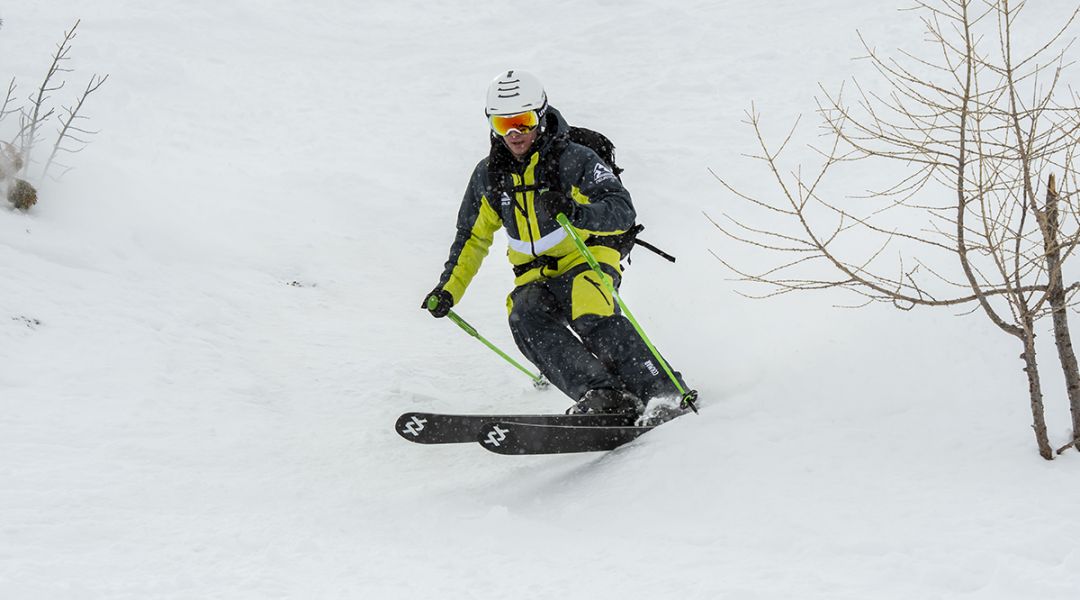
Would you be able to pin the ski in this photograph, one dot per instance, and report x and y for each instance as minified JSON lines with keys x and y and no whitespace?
{"x":517,"y":438}
{"x":432,"y":428}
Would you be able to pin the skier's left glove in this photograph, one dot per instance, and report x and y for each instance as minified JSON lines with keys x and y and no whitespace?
{"x":556,"y":202}
{"x":438,"y":302}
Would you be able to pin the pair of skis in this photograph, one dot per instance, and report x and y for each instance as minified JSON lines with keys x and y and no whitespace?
{"x":544,"y":433}
{"x":523,"y":434}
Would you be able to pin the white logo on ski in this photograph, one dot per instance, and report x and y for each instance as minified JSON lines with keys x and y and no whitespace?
{"x":415,"y":427}
{"x":496,"y":436}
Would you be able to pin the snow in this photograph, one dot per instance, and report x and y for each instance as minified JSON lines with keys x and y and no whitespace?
{"x":208,"y":328}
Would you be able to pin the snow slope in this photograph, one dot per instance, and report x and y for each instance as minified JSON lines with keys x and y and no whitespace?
{"x":208,"y":328}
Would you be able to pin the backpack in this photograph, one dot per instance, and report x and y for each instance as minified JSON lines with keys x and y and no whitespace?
{"x":605,"y":149}
{"x":598,"y":143}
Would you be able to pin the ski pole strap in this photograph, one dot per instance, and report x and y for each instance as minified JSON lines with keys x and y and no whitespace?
{"x":688,"y":396}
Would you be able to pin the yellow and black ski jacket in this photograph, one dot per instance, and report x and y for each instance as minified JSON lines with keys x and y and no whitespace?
{"x":502,"y":192}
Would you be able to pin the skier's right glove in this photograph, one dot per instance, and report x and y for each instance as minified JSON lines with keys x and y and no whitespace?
{"x":438,"y":302}
{"x":557,"y":202}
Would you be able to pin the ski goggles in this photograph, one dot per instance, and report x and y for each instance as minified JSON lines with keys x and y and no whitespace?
{"x":524,"y":122}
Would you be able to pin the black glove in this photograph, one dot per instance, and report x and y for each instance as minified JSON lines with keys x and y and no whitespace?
{"x":556,"y":202}
{"x":438,"y":302}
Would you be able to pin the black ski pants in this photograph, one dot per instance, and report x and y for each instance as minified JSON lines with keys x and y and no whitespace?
{"x":573,"y":331}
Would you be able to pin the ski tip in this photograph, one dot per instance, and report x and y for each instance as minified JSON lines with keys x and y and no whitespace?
{"x":411,"y":426}
{"x":497,"y":437}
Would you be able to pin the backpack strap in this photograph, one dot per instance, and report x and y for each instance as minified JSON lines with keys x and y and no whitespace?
{"x":654,"y":249}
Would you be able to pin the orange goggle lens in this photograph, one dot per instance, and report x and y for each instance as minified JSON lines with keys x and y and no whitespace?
{"x":521,"y":122}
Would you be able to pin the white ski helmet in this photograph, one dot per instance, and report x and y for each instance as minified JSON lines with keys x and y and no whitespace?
{"x":514,"y":92}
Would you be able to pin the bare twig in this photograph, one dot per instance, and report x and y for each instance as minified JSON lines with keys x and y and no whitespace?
{"x":69,"y":132}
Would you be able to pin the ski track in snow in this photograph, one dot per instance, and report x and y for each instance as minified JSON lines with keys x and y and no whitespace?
{"x":209,"y":327}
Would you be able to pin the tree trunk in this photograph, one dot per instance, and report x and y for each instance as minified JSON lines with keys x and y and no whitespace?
{"x":1031,"y":367}
{"x":1058,"y":304}
{"x":1069,"y":368}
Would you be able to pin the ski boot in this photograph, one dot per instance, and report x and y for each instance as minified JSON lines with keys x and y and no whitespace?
{"x":662,"y":409}
{"x":608,"y":401}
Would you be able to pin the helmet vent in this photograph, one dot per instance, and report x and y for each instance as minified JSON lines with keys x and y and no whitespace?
{"x":513,"y":92}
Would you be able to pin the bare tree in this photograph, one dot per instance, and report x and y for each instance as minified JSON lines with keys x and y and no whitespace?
{"x":71,"y":135}
{"x":967,"y":222}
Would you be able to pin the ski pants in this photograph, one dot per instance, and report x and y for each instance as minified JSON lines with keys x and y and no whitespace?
{"x":573,"y":331}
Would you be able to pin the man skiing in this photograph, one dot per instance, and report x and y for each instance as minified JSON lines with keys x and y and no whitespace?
{"x":563,"y":319}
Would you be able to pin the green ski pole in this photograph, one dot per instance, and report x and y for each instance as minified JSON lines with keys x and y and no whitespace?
{"x":689,"y":397}
{"x":538,"y":381}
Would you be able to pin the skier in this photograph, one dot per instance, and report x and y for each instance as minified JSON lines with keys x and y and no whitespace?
{"x":562,"y":318}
